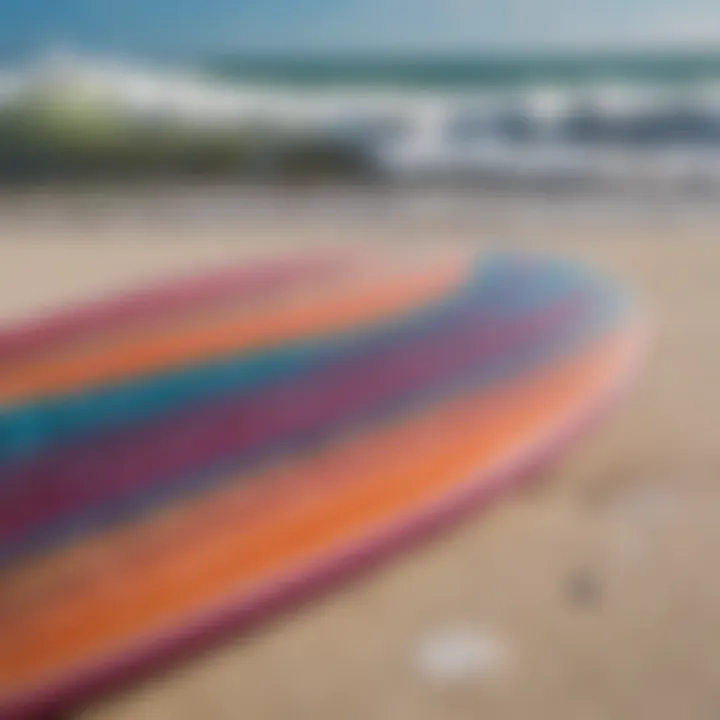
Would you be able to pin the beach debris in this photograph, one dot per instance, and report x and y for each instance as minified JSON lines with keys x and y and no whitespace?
{"x":461,"y":654}
{"x":583,"y":588}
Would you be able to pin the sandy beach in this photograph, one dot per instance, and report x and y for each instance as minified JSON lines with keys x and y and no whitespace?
{"x":594,"y":593}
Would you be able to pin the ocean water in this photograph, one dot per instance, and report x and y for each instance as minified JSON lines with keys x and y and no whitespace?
{"x":631,"y":118}
{"x":623,"y":120}
{"x":472,"y":72}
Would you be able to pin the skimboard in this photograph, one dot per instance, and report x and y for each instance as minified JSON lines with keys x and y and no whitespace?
{"x":181,"y":462}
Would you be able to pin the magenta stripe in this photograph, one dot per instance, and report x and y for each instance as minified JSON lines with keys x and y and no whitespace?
{"x":136,"y":460}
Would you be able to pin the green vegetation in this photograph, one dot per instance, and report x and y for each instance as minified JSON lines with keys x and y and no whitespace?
{"x":55,"y":138}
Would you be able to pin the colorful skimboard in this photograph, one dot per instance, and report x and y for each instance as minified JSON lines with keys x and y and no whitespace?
{"x":181,"y":462}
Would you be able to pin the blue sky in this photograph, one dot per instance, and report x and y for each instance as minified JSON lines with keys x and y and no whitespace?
{"x":190,"y":26}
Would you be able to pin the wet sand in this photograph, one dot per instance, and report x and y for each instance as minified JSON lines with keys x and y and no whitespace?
{"x":598,"y":585}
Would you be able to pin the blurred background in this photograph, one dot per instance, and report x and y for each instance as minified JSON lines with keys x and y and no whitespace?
{"x":150,"y":137}
{"x":552,"y":93}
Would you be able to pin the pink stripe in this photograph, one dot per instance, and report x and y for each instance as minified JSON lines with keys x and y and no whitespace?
{"x":51,"y":489}
{"x":176,"y":296}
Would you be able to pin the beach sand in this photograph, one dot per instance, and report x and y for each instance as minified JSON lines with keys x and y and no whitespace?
{"x":592,"y":595}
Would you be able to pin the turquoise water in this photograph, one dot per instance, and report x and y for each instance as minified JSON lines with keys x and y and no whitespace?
{"x":480,"y":71}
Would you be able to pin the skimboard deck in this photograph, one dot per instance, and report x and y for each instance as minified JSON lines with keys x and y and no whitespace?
{"x":171,"y":474}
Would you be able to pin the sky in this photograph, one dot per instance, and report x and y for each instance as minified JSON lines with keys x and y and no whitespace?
{"x":181,"y":27}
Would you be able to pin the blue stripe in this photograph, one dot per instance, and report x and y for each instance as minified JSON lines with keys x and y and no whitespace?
{"x":27,"y":430}
{"x":602,"y":316}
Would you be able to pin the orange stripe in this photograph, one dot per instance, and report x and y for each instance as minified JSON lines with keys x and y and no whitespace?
{"x":179,"y":525}
{"x":361,"y":302}
{"x":169,"y":305}
{"x":447,"y":447}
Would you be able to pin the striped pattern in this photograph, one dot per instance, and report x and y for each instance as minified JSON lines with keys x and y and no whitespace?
{"x":177,"y":461}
